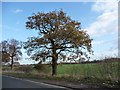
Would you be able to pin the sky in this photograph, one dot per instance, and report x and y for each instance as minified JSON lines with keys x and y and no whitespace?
{"x":99,"y":19}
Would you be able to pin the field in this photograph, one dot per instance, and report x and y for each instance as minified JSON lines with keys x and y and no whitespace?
{"x":105,"y":72}
{"x":99,"y":70}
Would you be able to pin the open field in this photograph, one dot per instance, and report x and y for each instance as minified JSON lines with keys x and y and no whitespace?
{"x":106,"y":72}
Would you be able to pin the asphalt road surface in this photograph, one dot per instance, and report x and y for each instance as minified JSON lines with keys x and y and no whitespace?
{"x":12,"y":82}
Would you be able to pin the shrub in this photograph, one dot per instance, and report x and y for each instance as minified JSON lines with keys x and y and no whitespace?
{"x":25,"y":69}
{"x":42,"y":68}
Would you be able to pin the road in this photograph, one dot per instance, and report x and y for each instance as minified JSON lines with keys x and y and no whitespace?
{"x":12,"y":82}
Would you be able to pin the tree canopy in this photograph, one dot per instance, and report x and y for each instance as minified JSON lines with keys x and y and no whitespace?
{"x":58,"y":35}
{"x":3,"y":52}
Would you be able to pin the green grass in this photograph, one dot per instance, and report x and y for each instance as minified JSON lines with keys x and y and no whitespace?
{"x":103,"y":72}
{"x":99,"y":70}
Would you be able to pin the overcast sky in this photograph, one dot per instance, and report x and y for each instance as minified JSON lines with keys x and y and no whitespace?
{"x":99,"y":19}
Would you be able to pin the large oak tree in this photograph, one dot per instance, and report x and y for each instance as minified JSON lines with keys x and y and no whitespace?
{"x":58,"y":35}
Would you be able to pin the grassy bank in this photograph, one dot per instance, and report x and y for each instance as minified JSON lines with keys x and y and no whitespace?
{"x":105,"y":73}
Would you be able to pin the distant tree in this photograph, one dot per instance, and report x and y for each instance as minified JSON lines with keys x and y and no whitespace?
{"x":3,"y":52}
{"x":11,"y":51}
{"x":58,"y":34}
{"x":5,"y":57}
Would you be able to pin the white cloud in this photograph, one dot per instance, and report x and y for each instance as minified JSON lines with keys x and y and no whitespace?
{"x":110,"y":48}
{"x":104,"y":6}
{"x":111,"y":52}
{"x":17,"y":11}
{"x":107,"y":21}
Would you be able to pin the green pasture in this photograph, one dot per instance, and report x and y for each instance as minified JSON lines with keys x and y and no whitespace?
{"x":107,"y":72}
{"x":103,"y":70}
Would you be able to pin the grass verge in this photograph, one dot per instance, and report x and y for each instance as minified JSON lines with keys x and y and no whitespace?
{"x":66,"y":78}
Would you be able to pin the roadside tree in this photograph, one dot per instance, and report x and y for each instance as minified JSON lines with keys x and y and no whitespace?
{"x":11,"y":51}
{"x":58,"y":35}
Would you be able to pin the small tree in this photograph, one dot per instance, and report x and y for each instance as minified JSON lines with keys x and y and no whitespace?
{"x":11,"y":50}
{"x":58,"y":34}
{"x":3,"y":52}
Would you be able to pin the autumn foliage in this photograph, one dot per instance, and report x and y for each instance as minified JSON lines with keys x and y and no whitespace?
{"x":58,"y":35}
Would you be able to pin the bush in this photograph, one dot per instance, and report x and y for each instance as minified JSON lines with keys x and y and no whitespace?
{"x":43,"y":68}
{"x":25,"y":69}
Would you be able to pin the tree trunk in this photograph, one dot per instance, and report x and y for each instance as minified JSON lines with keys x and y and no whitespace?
{"x":12,"y":63}
{"x":54,"y":63}
{"x":54,"y":69}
